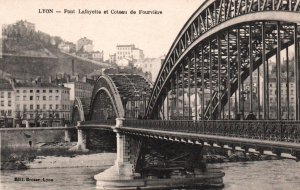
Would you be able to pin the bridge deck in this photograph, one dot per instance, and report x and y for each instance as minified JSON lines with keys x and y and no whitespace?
{"x":277,"y":146}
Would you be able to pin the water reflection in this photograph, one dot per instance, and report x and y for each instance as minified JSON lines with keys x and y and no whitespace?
{"x":276,"y":174}
{"x":267,"y":175}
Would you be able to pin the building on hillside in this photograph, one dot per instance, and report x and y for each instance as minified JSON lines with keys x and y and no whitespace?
{"x":129,"y":52}
{"x":7,"y":103}
{"x":85,"y":45}
{"x":150,"y":66}
{"x":112,"y":58}
{"x":42,"y":104}
{"x":124,"y":62}
{"x":96,"y":56}
{"x":68,"y":47}
{"x":137,"y":54}
{"x":83,"y":54}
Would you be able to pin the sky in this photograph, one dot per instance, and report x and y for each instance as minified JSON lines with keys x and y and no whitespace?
{"x":152,"y":33}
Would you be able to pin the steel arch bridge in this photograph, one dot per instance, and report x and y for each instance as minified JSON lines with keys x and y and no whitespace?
{"x":119,"y":96}
{"x":218,"y":50}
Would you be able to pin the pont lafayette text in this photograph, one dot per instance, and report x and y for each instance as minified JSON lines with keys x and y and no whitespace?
{"x":95,"y":11}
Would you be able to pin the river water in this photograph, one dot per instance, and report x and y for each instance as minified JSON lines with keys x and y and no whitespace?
{"x":266,"y":175}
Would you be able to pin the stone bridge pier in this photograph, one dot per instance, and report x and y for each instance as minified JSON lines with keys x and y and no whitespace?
{"x":144,"y":163}
{"x":122,"y":173}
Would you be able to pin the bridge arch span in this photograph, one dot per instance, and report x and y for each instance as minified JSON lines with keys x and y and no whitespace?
{"x":119,"y":96}
{"x":106,"y":88}
{"x":216,"y":38}
{"x":77,"y":111}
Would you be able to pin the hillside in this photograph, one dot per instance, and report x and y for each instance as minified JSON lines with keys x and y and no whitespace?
{"x":28,"y":54}
{"x":30,"y":67}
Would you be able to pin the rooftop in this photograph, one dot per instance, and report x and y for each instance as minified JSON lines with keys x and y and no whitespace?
{"x":37,"y":85}
{"x":5,"y":85}
{"x":130,"y":45}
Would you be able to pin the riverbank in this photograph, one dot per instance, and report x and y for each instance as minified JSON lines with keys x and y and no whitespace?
{"x":52,"y":155}
{"x":90,"y":160}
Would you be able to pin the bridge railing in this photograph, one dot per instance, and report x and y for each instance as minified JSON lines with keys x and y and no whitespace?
{"x":111,"y":122}
{"x":287,"y":131}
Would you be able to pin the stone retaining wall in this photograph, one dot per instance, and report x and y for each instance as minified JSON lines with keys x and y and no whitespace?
{"x":21,"y":137}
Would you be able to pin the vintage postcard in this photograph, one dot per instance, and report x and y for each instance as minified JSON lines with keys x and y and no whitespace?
{"x":139,"y":94}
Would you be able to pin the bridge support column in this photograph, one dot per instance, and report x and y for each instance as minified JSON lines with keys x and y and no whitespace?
{"x":81,"y":142}
{"x":67,"y":134}
{"x":121,"y":174}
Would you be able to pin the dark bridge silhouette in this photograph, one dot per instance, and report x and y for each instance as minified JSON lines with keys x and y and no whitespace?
{"x":213,"y":89}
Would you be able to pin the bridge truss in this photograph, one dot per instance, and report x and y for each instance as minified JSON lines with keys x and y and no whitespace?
{"x":220,"y":64}
{"x":119,"y":96}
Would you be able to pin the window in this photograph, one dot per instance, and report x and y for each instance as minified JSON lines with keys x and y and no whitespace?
{"x":24,"y":97}
{"x":50,"y":91}
{"x":2,"y":95}
{"x":37,"y":91}
{"x":44,"y":106}
{"x":31,"y":91}
{"x":24,"y":91}
{"x":9,"y":94}
{"x":31,"y":107}
{"x":38,"y":106}
{"x":31,"y":98}
{"x":56,"y":106}
{"x":2,"y":113}
{"x":44,"y":91}
{"x":18,"y":106}
{"x":50,"y":107}
{"x":17,"y":98}
{"x":37,"y":98}
{"x":50,"y":97}
{"x":56,"y":97}
{"x":44,"y":97}
{"x":9,"y":103}
{"x":31,"y":116}
{"x":57,"y":91}
{"x":24,"y":107}
{"x":18,"y":91}
{"x":9,"y":112}
{"x":2,"y":102}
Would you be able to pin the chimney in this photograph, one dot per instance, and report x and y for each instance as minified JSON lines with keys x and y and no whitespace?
{"x":73,"y":68}
{"x":50,"y":79}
